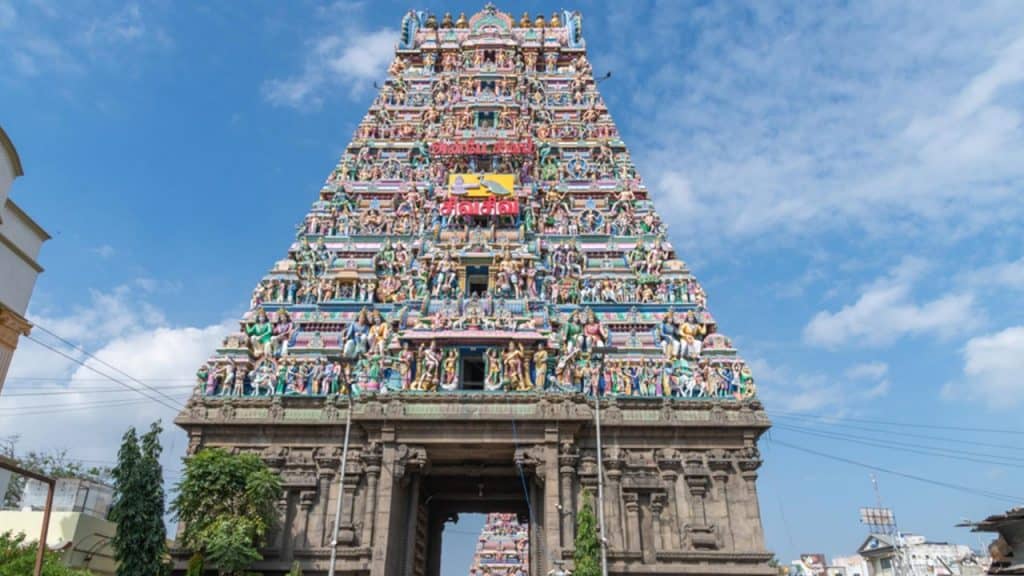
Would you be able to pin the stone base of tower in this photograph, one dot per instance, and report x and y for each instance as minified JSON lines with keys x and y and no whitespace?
{"x":680,"y":477}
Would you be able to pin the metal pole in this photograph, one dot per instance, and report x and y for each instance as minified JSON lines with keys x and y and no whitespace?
{"x":341,"y":485}
{"x":41,"y":552}
{"x":51,"y":484}
{"x":600,"y":470}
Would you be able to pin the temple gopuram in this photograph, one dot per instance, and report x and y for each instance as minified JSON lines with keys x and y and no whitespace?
{"x":482,"y":271}
{"x":503,"y":548}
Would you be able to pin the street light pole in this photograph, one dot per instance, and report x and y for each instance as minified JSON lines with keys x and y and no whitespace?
{"x":341,"y":484}
{"x":600,"y":466}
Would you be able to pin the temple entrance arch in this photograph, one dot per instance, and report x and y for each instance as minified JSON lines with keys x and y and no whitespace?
{"x":480,"y":490}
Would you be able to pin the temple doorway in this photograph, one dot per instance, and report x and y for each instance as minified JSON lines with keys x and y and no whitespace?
{"x":477,"y":280}
{"x":472,"y":370}
{"x":483,"y":506}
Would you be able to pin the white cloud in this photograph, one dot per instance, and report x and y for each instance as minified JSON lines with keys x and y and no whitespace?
{"x":885,"y":311}
{"x":785,"y":390}
{"x":1002,"y":275}
{"x":868,"y":371}
{"x":350,"y":61}
{"x":71,"y":39}
{"x":873,"y":373}
{"x":993,"y":365}
{"x":124,"y":26}
{"x":104,"y":251}
{"x":890,"y":120}
{"x":124,"y":331}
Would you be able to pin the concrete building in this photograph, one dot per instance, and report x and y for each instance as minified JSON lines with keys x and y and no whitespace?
{"x":919,"y":557}
{"x":1007,"y":550}
{"x":79,"y":528}
{"x":848,"y":566}
{"x":20,"y":241}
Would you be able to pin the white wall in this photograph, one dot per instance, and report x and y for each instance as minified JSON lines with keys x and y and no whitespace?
{"x":16,"y":268}
{"x":6,"y":174}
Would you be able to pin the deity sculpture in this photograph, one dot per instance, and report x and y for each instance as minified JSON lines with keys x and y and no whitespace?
{"x":492,"y":369}
{"x":540,"y":367}
{"x":430,"y":364}
{"x":449,"y":370}
{"x":582,"y":244}
{"x":260,"y":333}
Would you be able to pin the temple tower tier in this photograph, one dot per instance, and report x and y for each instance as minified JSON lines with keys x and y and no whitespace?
{"x":482,"y":268}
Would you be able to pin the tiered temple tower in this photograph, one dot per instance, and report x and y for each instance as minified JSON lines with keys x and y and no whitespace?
{"x":503,"y":547}
{"x":482,"y":266}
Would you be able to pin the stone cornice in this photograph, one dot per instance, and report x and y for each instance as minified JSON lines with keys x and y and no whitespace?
{"x":523,"y":408}
{"x":12,"y":325}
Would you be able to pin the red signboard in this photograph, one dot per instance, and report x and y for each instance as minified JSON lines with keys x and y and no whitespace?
{"x":474,"y":148}
{"x":489,"y":207}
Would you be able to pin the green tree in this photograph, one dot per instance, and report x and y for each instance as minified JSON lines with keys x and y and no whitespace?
{"x":587,"y":556}
{"x":56,"y":464}
{"x":18,"y":558}
{"x":140,"y":544}
{"x":227,"y":503}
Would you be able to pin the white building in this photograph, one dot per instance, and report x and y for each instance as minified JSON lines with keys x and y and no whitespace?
{"x":78,"y":528}
{"x":854,"y":565}
{"x":919,"y":557}
{"x":20,"y":241}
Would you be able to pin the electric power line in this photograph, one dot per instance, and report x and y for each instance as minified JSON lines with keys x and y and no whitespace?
{"x":109,"y":377}
{"x":902,"y":433}
{"x":80,"y":407}
{"x":907,"y":447}
{"x":75,"y":390}
{"x":827,"y":417}
{"x":977,"y":492}
{"x":108,"y":365}
{"x":44,"y":379}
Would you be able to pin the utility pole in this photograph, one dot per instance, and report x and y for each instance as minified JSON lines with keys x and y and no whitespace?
{"x":8,"y":464}
{"x":600,"y":464}
{"x":341,"y":483}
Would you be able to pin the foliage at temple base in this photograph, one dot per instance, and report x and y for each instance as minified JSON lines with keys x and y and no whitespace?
{"x":140,"y":545}
{"x":587,"y":556}
{"x":18,"y":558}
{"x":226,"y":502}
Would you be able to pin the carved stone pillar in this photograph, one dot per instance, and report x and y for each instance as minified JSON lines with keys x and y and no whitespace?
{"x":309,"y":528}
{"x":412,"y":524}
{"x":748,"y":471}
{"x":382,"y":508}
{"x":632,"y":504}
{"x":568,"y":456}
{"x":699,"y":530}
{"x":613,"y":497}
{"x":659,"y":528}
{"x":321,"y":537}
{"x":327,"y":466}
{"x":372,"y":462}
{"x":541,"y":461}
{"x":721,"y":472}
{"x":276,"y":542}
{"x":669,"y":465}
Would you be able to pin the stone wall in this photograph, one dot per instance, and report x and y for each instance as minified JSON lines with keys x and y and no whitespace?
{"x":680,"y":490}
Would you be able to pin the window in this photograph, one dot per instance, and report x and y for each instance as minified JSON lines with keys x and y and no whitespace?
{"x":472,"y":372}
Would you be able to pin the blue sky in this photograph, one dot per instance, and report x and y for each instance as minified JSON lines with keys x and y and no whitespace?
{"x":844,"y":178}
